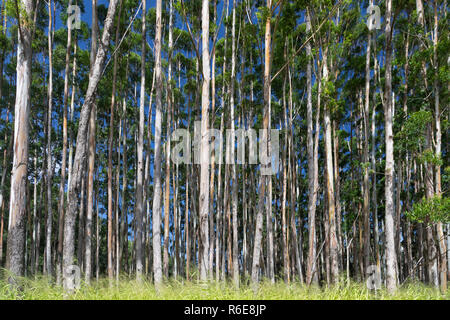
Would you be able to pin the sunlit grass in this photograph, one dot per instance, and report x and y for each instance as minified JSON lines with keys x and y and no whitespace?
{"x":40,"y":288}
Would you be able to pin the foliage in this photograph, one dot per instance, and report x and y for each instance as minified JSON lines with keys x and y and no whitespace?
{"x":435,"y":209}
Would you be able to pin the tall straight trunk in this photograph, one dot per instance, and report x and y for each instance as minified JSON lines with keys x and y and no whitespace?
{"x":284,"y":226}
{"x":231,"y":146}
{"x":220,"y":203}
{"x":167,"y":168}
{"x":330,"y":185}
{"x":263,"y":178}
{"x":147,"y":167}
{"x":366,"y":205}
{"x":61,"y":208}
{"x":81,"y":148}
{"x":18,"y":198}
{"x":213,"y":154}
{"x":204,"y":149}
{"x":48,"y":239}
{"x":391,"y":259}
{"x":428,"y":177}
{"x":157,"y":267}
{"x":437,"y":114}
{"x":297,"y":242}
{"x":91,"y":156}
{"x":110,"y":154}
{"x":374,"y":177}
{"x":312,"y":190}
{"x":140,"y":158}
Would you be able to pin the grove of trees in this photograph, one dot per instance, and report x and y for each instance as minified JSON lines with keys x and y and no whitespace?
{"x":358,"y":91}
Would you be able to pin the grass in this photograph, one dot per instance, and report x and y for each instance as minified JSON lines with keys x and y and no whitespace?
{"x":41,"y":289}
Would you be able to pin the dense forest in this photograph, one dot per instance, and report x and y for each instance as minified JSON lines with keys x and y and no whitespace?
{"x":349,"y":101}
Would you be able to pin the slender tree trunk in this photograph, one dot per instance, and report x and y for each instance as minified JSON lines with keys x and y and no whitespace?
{"x":366,"y":205}
{"x":213,"y":155}
{"x":110,"y":154}
{"x":81,"y":149}
{"x":284,"y":226}
{"x":312,"y":166}
{"x":437,"y":114}
{"x":18,"y":199}
{"x":263,"y":178}
{"x":48,"y":240}
{"x":157,"y":268}
{"x":330,"y":185}
{"x":204,"y":149}
{"x":140,"y":158}
{"x":234,"y":200}
{"x":61,"y":208}
{"x":374,"y":177}
{"x":167,"y":168}
{"x":91,"y":156}
{"x":391,"y":259}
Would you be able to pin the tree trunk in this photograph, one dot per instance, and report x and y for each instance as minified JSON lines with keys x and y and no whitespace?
{"x":167,"y":168}
{"x":91,"y":155}
{"x":437,"y":114}
{"x":204,"y":149}
{"x":140,"y":157}
{"x":81,"y":150}
{"x":311,"y":275}
{"x":263,"y":145}
{"x":110,"y":154}
{"x":366,"y":205}
{"x":48,"y":240}
{"x":391,"y":259}
{"x":61,"y":208}
{"x":234,"y":200}
{"x":18,"y":199}
{"x":157,"y":268}
{"x":330,"y":185}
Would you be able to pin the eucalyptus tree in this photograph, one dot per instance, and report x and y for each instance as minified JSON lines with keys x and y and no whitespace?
{"x":81,"y":150}
{"x":157,"y":266}
{"x":18,"y":195}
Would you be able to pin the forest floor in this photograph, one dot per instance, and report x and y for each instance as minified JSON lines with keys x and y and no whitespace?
{"x":41,"y":289}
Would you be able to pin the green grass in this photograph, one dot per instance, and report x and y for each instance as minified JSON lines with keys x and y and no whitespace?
{"x":126,"y":289}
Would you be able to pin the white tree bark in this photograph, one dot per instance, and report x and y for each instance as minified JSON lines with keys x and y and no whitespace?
{"x":48,"y":239}
{"x":204,"y":149}
{"x":140,"y":158}
{"x":157,"y":266}
{"x":391,"y":259}
{"x":18,"y":200}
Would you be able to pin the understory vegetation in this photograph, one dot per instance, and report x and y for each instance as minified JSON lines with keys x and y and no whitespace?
{"x":41,"y":288}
